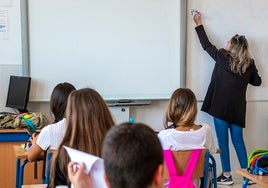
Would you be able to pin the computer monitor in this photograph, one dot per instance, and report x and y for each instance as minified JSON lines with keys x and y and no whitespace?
{"x":18,"y":93}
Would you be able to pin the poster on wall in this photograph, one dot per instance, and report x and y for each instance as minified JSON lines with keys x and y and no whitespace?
{"x":5,"y":3}
{"x":3,"y":25}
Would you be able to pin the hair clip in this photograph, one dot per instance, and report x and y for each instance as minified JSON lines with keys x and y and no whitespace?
{"x":237,"y":37}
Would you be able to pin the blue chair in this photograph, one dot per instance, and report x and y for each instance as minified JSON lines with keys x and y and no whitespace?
{"x":205,"y":168}
{"x":47,"y":166}
{"x":20,"y":170}
{"x":210,"y":172}
{"x":20,"y":165}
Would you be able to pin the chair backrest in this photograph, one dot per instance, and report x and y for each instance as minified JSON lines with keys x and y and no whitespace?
{"x":181,"y":158}
{"x":49,"y":154}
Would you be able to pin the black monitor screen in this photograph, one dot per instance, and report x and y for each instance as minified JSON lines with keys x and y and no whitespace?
{"x":18,"y":92}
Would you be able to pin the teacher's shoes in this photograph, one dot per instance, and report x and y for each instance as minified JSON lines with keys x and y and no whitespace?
{"x":223,"y":180}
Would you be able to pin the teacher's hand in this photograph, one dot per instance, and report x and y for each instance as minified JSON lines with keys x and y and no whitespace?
{"x":197,"y":19}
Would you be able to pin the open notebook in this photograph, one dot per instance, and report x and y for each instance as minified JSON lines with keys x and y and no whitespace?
{"x":94,"y":165}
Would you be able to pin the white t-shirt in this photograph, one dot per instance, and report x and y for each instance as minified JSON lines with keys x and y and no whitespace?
{"x":188,"y":140}
{"x":51,"y":135}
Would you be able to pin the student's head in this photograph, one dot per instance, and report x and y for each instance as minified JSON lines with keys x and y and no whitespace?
{"x":58,"y":99}
{"x":132,"y":157}
{"x":87,"y":121}
{"x":182,"y":108}
{"x":239,"y":53}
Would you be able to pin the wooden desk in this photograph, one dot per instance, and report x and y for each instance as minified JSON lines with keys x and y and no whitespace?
{"x":260,"y":180}
{"x":9,"y":138}
{"x":20,"y":155}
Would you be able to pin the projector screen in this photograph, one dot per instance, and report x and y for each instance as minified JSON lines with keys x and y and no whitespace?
{"x":125,"y":49}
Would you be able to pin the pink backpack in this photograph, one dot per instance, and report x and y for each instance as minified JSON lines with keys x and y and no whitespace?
{"x":184,"y":180}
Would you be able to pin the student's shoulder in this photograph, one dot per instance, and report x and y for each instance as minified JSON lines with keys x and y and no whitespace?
{"x":53,"y":126}
{"x":205,"y":126}
{"x":165,"y":132}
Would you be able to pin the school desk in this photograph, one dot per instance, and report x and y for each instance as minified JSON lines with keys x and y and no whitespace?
{"x":21,"y":161}
{"x":9,"y":138}
{"x":260,"y":180}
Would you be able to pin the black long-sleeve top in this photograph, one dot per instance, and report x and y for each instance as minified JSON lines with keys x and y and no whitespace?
{"x":226,"y":94}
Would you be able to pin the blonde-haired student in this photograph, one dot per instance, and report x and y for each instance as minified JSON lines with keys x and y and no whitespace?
{"x":181,"y":132}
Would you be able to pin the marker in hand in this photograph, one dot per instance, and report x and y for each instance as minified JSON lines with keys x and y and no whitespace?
{"x":194,"y":12}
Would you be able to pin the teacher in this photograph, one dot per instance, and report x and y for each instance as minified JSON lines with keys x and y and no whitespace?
{"x":225,"y":99}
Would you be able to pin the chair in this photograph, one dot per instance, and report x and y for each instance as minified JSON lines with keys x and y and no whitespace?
{"x":206,"y":164}
{"x":47,"y":165}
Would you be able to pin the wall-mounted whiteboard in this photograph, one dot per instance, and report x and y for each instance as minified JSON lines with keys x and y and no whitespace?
{"x":122,"y":48}
{"x":222,"y":20}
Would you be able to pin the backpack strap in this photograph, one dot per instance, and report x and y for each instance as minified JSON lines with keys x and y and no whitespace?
{"x":172,"y":171}
{"x":189,"y":169}
{"x":191,"y":164}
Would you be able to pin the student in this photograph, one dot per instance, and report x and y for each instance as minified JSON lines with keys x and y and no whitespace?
{"x":87,"y":121}
{"x":132,"y":157}
{"x":181,"y":132}
{"x":226,"y":95}
{"x":51,"y":135}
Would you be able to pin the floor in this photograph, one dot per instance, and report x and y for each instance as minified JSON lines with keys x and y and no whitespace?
{"x":238,"y":182}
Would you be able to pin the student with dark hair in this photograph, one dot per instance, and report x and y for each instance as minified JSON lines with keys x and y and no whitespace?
{"x":225,"y":100}
{"x":51,"y":135}
{"x":87,"y":121}
{"x":132,"y":157}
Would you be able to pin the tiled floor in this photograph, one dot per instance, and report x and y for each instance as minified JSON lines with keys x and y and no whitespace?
{"x":238,"y":182}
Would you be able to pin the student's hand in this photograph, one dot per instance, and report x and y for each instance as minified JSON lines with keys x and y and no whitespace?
{"x":78,"y":177}
{"x":197,"y":19}
{"x":34,"y":138}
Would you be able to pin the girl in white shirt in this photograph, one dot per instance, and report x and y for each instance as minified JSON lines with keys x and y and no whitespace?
{"x":51,"y":135}
{"x":181,"y":132}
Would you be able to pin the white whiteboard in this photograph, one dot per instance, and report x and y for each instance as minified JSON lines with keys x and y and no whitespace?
{"x":122,"y":48}
{"x":222,"y":20}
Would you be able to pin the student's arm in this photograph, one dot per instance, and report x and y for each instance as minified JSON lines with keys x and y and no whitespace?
{"x":35,"y":150}
{"x":78,"y":177}
{"x":210,"y":142}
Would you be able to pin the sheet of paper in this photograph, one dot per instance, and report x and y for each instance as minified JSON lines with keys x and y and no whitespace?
{"x":94,"y":165}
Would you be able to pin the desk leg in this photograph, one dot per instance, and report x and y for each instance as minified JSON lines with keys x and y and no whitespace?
{"x":17,"y":172}
{"x":245,"y":182}
{"x":21,"y":172}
